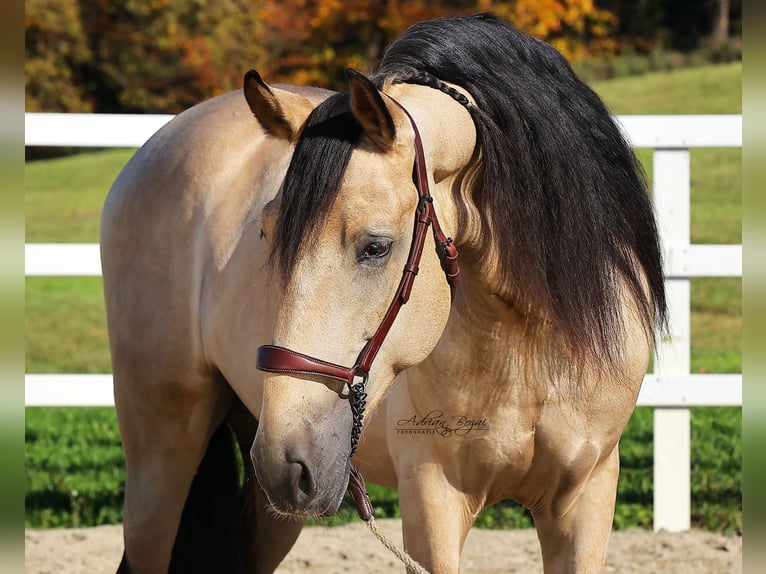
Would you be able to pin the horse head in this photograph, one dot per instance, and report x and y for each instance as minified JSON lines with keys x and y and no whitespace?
{"x":341,"y":232}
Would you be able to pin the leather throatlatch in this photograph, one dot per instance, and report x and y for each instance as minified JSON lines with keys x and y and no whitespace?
{"x":276,"y":359}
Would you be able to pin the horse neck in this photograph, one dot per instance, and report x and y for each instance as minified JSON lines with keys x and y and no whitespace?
{"x":449,"y":140}
{"x":445,"y":126}
{"x":487,"y":331}
{"x":453,"y":159}
{"x":482,"y":324}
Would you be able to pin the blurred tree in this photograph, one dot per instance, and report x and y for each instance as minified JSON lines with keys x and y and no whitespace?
{"x":721,"y":23}
{"x":136,"y":55}
{"x":332,"y":35}
{"x":166,"y":55}
{"x":639,"y":22}
{"x":676,"y":24}
{"x":313,"y":41}
{"x":56,"y":51}
{"x":577,"y":28}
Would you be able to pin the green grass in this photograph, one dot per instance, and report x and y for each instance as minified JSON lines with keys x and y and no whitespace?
{"x":65,"y":318}
{"x":703,"y":90}
{"x":64,"y":196}
{"x":66,"y":326}
{"x":716,"y":325}
{"x":75,"y":470}
{"x":716,"y":473}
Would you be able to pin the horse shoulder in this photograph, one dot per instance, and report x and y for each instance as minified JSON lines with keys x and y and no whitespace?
{"x":180,"y":219}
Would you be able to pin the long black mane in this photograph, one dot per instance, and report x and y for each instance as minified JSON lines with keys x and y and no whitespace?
{"x":562,"y":197}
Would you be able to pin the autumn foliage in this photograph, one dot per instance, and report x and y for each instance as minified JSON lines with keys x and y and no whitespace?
{"x":136,"y":55}
{"x":575,"y":27}
{"x":166,"y":55}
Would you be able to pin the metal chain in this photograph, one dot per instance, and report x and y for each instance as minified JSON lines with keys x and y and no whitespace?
{"x":358,"y":400}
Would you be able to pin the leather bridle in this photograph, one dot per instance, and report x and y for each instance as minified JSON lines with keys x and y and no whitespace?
{"x":276,"y":359}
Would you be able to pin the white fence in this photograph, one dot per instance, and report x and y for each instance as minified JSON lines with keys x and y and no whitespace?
{"x":671,"y":388}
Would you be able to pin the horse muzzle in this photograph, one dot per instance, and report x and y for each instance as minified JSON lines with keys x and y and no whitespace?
{"x":305,"y":475}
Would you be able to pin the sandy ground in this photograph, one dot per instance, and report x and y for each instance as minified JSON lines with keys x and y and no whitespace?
{"x":353,"y":548}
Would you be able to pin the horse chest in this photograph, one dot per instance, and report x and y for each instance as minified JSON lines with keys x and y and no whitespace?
{"x":502,"y":442}
{"x":475,"y":438}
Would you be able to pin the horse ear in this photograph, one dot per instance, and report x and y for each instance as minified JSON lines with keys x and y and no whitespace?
{"x":281,"y":117}
{"x":370,"y":110}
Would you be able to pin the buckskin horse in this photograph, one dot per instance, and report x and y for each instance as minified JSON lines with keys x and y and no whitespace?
{"x":448,"y":278}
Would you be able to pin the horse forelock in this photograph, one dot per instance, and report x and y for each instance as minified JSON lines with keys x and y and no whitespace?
{"x":313,"y":178}
{"x":563,"y":201}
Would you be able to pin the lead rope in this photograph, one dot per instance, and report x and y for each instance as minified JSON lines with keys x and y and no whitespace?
{"x":358,"y":492}
{"x":409,"y":562}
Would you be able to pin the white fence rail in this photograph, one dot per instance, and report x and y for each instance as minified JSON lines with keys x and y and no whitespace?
{"x":671,"y":389}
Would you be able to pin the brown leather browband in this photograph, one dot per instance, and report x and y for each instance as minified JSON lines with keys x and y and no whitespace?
{"x":276,"y":359}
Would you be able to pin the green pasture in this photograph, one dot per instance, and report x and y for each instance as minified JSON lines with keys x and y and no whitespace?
{"x":702,"y":90}
{"x":74,"y":465}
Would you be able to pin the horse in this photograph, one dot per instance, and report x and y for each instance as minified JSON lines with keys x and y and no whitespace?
{"x":470,"y":217}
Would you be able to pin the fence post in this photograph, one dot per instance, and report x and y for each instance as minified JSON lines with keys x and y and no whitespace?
{"x":672,"y":426}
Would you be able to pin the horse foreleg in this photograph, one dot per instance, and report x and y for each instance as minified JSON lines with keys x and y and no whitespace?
{"x":163,"y":449}
{"x":270,"y":537}
{"x":436,"y":518}
{"x":577,"y":541}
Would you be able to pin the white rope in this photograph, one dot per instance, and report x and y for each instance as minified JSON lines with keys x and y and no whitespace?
{"x":413,"y":567}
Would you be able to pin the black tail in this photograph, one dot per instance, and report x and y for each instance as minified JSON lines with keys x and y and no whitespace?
{"x":213,"y":530}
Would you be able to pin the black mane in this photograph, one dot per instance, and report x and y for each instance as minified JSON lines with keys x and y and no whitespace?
{"x":562,"y":197}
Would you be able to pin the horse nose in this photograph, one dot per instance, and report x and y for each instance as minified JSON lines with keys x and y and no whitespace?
{"x":290,"y":483}
{"x":303,"y":471}
{"x":301,"y":481}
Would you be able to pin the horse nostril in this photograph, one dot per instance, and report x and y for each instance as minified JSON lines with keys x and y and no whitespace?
{"x":301,"y":479}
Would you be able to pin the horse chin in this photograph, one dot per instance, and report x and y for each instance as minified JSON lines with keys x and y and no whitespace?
{"x":313,"y":511}
{"x":323,"y":505}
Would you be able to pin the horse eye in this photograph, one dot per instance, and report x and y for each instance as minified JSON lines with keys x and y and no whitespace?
{"x":376,"y":249}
